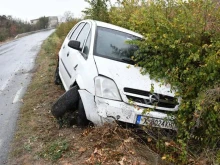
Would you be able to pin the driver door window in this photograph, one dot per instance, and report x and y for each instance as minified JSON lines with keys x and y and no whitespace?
{"x":83,"y":35}
{"x":76,"y":31}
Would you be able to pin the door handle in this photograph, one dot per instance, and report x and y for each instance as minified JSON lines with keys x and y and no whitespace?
{"x":63,"y":46}
{"x":75,"y":67}
{"x":68,"y":54}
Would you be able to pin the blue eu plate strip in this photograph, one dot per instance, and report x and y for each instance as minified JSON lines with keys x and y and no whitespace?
{"x":138,"y":119}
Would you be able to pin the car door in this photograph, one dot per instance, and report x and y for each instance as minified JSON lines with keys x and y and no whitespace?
{"x":75,"y":56}
{"x":64,"y":62}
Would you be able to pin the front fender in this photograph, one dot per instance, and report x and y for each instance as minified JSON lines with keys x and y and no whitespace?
{"x":90,"y":107}
{"x":85,"y":83}
{"x":80,"y":82}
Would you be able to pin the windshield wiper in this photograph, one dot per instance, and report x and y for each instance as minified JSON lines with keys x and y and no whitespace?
{"x":130,"y":61}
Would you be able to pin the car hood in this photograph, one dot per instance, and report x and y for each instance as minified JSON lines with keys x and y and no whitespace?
{"x":129,"y":76}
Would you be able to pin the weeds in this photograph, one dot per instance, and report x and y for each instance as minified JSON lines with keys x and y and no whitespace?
{"x":54,"y":150}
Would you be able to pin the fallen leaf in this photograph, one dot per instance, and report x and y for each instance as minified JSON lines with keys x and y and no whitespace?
{"x":131,"y":152}
{"x":97,"y":151}
{"x":121,"y":162}
{"x":172,"y":143}
{"x":82,"y":149}
{"x":191,"y":160}
{"x":128,"y":140}
{"x":164,"y":157}
{"x":149,"y":139}
{"x":60,"y":134}
{"x":167,"y":144}
{"x":91,"y":159}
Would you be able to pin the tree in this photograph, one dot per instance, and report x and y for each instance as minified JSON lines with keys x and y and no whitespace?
{"x":67,"y":17}
{"x":42,"y":23}
{"x":98,"y":10}
{"x":10,"y":27}
{"x":3,"y":34}
{"x":13,"y":30}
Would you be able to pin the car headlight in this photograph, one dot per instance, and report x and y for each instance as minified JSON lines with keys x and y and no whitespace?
{"x":106,"y":88}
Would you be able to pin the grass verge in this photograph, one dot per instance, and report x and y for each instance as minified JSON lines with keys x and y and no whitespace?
{"x":38,"y":139}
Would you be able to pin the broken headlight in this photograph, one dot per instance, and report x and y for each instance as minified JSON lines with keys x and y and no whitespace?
{"x":106,"y":88}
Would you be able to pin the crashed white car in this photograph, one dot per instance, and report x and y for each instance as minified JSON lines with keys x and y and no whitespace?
{"x":95,"y":62}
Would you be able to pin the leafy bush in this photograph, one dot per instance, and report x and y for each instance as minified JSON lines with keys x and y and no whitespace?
{"x":64,"y":28}
{"x":51,"y":43}
{"x":181,"y":47}
{"x":97,"y":11}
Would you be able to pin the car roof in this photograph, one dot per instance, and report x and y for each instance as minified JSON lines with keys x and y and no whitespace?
{"x":114,"y":27}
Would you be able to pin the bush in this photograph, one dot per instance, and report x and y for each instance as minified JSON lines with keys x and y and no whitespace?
{"x":64,"y":28}
{"x":98,"y":10}
{"x":3,"y":34}
{"x":181,"y":47}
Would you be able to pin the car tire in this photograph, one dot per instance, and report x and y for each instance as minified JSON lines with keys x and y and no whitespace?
{"x":81,"y":118}
{"x":67,"y":102}
{"x":57,"y":80}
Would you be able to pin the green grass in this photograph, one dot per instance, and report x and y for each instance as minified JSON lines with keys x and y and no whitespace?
{"x":54,"y":149}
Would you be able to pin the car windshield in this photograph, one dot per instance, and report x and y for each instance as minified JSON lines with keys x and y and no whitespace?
{"x":114,"y":45}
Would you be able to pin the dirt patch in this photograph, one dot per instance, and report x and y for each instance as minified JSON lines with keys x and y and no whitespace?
{"x":111,"y":144}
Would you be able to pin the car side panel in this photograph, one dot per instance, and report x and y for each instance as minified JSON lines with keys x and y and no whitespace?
{"x":62,"y":67}
{"x":87,"y":69}
{"x":62,"y":58}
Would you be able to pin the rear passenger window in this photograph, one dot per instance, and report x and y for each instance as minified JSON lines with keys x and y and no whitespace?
{"x":76,"y":31}
{"x":71,"y":31}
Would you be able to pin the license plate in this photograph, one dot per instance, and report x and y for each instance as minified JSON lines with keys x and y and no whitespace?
{"x":155,"y":122}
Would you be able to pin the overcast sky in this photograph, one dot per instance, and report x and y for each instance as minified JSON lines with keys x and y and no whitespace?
{"x":32,"y":9}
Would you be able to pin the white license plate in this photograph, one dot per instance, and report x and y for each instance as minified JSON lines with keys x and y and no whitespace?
{"x":155,"y":122}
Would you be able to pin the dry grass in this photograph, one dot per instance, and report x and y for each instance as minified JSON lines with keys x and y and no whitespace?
{"x":39,"y":140}
{"x":8,"y":40}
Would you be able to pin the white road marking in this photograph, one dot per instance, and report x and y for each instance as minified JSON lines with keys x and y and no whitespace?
{"x":8,"y":81}
{"x":17,"y":96}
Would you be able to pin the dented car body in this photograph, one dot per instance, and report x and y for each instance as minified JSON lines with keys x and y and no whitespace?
{"x":96,"y":57}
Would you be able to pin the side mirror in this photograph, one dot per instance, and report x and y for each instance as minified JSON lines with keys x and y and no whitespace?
{"x":74,"y":44}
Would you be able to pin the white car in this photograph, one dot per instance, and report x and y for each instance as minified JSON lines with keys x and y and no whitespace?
{"x":95,"y":60}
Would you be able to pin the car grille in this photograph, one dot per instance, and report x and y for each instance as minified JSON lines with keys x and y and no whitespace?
{"x":147,"y":98}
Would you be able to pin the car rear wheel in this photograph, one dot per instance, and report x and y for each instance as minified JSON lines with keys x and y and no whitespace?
{"x":57,"y":79}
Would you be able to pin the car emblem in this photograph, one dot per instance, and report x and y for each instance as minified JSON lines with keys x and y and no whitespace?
{"x":154,"y":98}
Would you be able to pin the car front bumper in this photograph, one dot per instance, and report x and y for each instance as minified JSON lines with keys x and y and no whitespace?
{"x":101,"y":110}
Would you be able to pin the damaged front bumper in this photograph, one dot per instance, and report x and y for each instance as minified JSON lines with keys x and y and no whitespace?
{"x":101,"y":110}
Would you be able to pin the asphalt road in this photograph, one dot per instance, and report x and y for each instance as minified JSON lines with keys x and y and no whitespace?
{"x":17,"y":59}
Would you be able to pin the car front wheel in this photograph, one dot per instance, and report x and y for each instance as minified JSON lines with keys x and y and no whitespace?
{"x":81,"y":118}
